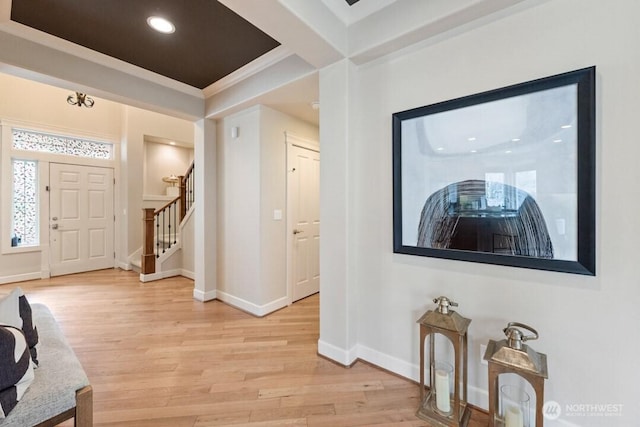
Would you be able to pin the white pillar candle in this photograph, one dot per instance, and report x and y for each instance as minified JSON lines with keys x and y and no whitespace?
{"x":442,"y":391}
{"x":513,"y":417}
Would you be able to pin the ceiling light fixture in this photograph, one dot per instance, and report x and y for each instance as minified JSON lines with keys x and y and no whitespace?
{"x":161,"y":25}
{"x":80,"y":99}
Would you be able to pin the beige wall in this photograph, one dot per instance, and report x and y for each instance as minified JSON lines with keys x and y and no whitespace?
{"x":584,"y":322}
{"x":35,"y":105}
{"x":252,"y":184}
{"x":161,"y":160}
{"x":138,"y":124}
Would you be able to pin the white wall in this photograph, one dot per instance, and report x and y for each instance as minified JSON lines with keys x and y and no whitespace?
{"x":273,"y":194}
{"x":239,"y":193}
{"x":587,"y":324}
{"x":161,"y":160}
{"x":251,"y":185}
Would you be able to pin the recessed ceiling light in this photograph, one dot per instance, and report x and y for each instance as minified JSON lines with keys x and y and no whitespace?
{"x":508,"y":152}
{"x":161,"y":25}
{"x":473,"y":138}
{"x":557,"y":140}
{"x":474,"y":151}
{"x":515,"y":139}
{"x":172,"y":143}
{"x":440,"y":148}
{"x":565,"y":126}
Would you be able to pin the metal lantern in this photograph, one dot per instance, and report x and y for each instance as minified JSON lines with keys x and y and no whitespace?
{"x":444,"y":402}
{"x":511,"y":355}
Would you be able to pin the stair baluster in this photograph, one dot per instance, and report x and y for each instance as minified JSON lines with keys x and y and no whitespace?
{"x":168,"y":233}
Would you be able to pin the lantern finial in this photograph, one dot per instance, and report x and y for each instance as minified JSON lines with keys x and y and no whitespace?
{"x":444,"y":303}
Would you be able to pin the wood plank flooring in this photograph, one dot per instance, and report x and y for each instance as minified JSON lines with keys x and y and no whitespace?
{"x":156,"y":357}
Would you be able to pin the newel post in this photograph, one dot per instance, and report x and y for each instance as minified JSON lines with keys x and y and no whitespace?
{"x":148,"y":257}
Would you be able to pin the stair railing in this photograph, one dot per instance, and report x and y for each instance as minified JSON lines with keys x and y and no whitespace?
{"x":187,"y":186}
{"x":160,"y":226}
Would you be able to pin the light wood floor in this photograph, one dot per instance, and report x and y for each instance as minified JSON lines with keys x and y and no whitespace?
{"x":156,"y":357}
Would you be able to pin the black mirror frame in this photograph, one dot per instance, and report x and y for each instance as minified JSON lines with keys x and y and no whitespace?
{"x":585,"y":180}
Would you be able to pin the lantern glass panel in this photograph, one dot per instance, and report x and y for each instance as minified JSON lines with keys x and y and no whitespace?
{"x":514,"y":406}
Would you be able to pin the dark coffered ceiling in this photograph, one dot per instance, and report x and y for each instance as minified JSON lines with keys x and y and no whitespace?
{"x":210,"y":40}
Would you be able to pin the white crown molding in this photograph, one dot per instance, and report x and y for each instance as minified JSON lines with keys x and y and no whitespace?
{"x":56,"y":43}
{"x":254,"y":67}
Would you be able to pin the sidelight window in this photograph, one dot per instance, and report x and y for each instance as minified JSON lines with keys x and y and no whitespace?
{"x":24,"y":212}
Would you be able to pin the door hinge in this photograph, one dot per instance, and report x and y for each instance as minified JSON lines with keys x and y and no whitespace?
{"x":114,"y":181}
{"x":46,"y":188}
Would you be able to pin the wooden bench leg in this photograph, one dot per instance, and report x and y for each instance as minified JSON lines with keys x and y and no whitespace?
{"x":84,"y":407}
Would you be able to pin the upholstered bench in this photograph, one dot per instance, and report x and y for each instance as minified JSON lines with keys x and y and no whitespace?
{"x":60,"y":390}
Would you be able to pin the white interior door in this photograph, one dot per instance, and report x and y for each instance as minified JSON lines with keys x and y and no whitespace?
{"x":81,"y":218}
{"x":304,"y":221}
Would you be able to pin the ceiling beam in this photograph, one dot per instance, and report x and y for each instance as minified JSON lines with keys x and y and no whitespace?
{"x":306,"y":28}
{"x":245,"y":93}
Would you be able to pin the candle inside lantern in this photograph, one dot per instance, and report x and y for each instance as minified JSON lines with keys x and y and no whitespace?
{"x":513,"y":417}
{"x":442,"y":390}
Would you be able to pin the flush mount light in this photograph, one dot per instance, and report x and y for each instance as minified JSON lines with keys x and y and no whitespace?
{"x":161,"y":25}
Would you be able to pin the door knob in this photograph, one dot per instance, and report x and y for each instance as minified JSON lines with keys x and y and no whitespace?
{"x":54,"y":226}
{"x":296,"y":231}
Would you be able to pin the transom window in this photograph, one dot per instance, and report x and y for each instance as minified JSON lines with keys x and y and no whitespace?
{"x":46,"y":143}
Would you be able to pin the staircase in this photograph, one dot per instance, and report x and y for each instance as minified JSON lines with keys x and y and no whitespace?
{"x":161,"y":233}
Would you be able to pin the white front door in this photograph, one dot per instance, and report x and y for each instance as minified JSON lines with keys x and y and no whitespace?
{"x":81,"y":218}
{"x":304,"y":221}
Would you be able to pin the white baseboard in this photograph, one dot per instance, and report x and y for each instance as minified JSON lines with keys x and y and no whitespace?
{"x":337,"y":354}
{"x":188,"y":274}
{"x":123,"y":265}
{"x":204,"y":296}
{"x":249,"y":307}
{"x":158,"y":276}
{"x":390,"y":363}
{"x":20,"y":277}
{"x":476,"y":396}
